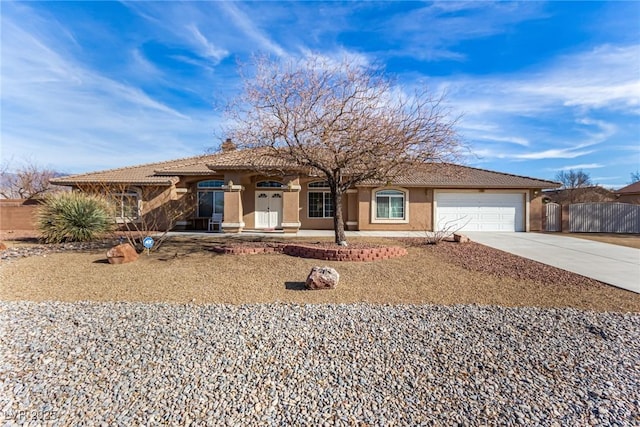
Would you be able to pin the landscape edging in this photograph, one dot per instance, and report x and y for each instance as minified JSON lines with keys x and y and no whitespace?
{"x":326,"y":254}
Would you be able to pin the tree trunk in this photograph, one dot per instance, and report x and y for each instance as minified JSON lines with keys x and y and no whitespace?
{"x":338,"y":224}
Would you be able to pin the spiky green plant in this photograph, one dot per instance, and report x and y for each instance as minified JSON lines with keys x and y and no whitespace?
{"x":74,"y":217}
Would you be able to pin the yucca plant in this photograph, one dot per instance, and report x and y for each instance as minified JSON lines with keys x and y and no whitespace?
{"x":74,"y":217}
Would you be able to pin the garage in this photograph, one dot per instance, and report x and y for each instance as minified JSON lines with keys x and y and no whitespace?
{"x":481,"y":211}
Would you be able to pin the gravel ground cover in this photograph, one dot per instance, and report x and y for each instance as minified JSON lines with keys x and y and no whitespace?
{"x":285,"y":364}
{"x":187,"y":272}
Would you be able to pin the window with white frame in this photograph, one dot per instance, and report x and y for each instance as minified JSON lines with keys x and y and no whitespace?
{"x":320,"y":202}
{"x":390,"y":204}
{"x":210,"y":198}
{"x":127,"y":205}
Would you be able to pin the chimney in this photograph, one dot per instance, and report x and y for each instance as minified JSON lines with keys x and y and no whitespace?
{"x":228,"y":145}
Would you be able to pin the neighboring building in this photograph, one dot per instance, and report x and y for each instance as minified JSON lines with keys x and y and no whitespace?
{"x":592,"y":194}
{"x":629,"y":194}
{"x":263,"y":193}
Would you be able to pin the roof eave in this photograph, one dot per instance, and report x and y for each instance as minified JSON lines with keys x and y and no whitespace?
{"x":174,"y":180}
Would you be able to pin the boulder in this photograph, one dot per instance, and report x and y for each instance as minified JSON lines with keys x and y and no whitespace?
{"x":3,"y":247}
{"x":121,"y":254}
{"x":461,"y":238}
{"x":322,"y":278}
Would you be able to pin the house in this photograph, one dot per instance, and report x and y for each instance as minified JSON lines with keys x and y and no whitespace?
{"x":591,"y":194}
{"x":256,"y":192}
{"x":629,"y":194}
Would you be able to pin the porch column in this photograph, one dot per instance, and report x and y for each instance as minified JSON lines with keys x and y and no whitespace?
{"x":352,"y":210}
{"x":291,"y":206}
{"x":233,"y":215}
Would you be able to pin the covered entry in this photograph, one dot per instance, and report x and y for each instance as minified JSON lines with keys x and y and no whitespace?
{"x":268,"y":213}
{"x":479,"y":211}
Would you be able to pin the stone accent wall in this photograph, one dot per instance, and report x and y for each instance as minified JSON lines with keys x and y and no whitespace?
{"x":327,"y":254}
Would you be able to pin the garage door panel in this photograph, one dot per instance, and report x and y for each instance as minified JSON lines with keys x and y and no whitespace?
{"x":480,"y":211}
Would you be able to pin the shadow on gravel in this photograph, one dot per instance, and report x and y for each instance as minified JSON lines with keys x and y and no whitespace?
{"x":101,"y":261}
{"x":294,"y":286}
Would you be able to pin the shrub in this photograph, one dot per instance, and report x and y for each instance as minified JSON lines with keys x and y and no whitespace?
{"x":74,"y":217}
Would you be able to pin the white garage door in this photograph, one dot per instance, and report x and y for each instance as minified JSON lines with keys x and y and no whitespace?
{"x":480,"y":211}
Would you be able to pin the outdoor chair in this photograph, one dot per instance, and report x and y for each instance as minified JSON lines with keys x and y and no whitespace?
{"x":216,"y":219}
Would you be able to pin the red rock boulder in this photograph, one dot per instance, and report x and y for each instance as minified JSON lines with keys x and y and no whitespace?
{"x":122,"y":254}
{"x":3,"y":247}
{"x":322,"y":278}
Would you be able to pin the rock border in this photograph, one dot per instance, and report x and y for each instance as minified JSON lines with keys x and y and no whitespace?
{"x":314,"y":252}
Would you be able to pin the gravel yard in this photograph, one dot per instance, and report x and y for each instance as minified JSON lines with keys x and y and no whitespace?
{"x":282,"y":364}
{"x":447,"y":334}
{"x":186,"y":271}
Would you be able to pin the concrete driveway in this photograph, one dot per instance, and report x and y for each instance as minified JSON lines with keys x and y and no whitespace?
{"x":616,"y":265}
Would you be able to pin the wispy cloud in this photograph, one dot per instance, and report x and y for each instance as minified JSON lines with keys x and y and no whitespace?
{"x":79,"y":112}
{"x":206,"y":48}
{"x":451,"y":23}
{"x":242,"y":20}
{"x":580,"y":166}
{"x":604,"y":77}
{"x":565,"y":109}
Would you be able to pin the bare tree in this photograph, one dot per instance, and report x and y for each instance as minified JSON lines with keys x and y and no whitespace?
{"x":344,"y":121}
{"x":141,"y":211}
{"x":635,"y":177}
{"x":26,"y":182}
{"x":574,"y":182}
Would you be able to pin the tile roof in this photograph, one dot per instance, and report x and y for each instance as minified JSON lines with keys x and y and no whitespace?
{"x":448,"y":175}
{"x":442,"y":175}
{"x":630,"y":189}
{"x":137,"y":175}
{"x":251,"y":159}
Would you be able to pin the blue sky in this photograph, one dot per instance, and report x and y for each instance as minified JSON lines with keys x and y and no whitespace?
{"x":541,"y":86}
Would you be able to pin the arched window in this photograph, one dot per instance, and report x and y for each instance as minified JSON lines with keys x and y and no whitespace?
{"x":390,"y":204}
{"x":210,"y":198}
{"x":320,"y":204}
{"x":268,"y":184}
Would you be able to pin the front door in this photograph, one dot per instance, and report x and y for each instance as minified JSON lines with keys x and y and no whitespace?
{"x":268,"y":209}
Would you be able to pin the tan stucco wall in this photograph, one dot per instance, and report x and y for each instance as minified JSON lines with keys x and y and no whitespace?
{"x":18,"y":214}
{"x":420,"y":210}
{"x":356,"y":205}
{"x":536,"y":210}
{"x":314,"y":223}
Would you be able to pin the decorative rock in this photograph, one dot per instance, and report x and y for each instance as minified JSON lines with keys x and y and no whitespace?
{"x":322,"y":278}
{"x":461,"y":238}
{"x":122,"y":254}
{"x":315,"y":364}
{"x":3,"y":247}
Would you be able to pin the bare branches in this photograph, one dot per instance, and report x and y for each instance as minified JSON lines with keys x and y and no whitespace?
{"x":27,"y":182}
{"x":346,"y":120}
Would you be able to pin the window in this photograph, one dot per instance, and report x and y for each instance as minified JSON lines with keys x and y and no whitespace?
{"x":210,"y":198}
{"x":390,"y":204}
{"x":127,"y":205}
{"x":269,"y":184}
{"x":320,"y":202}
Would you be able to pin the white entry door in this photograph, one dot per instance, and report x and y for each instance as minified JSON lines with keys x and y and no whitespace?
{"x":268,"y":209}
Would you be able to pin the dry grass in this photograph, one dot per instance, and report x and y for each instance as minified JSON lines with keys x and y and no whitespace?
{"x":183,"y":271}
{"x":629,"y":240}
